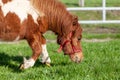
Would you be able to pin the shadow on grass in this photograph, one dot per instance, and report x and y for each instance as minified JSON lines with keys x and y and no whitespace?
{"x":13,"y":62}
{"x":53,"y":64}
{"x":10,"y":61}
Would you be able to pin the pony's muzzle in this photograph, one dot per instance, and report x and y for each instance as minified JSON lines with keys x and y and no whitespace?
{"x":77,"y":57}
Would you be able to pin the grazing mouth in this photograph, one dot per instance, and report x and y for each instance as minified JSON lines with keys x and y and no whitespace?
{"x":77,"y":57}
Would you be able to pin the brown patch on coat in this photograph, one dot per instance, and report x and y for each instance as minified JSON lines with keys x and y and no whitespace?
{"x":10,"y":27}
{"x":6,"y":1}
{"x":43,"y":24}
{"x":1,"y":15}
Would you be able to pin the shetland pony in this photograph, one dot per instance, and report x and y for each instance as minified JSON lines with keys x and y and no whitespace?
{"x":30,"y":19}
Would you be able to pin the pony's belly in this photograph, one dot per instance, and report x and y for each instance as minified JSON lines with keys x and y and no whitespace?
{"x":9,"y":33}
{"x":9,"y":37}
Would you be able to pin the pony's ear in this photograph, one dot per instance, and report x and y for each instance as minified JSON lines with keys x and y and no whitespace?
{"x":75,"y":20}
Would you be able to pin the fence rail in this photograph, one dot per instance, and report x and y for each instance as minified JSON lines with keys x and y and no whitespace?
{"x":104,"y":9}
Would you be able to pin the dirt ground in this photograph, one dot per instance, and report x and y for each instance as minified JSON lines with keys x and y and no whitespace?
{"x":101,"y":30}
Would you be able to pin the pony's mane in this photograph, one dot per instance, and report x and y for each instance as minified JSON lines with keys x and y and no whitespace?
{"x":55,"y":12}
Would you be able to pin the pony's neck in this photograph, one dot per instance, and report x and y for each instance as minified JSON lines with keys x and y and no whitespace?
{"x":60,"y":30}
{"x":61,"y":26}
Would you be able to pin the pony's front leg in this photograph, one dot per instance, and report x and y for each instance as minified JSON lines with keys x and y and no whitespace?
{"x":35,"y":44}
{"x":45,"y":56}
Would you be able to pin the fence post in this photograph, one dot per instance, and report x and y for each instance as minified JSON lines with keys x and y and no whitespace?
{"x":104,"y":10}
{"x":81,"y":3}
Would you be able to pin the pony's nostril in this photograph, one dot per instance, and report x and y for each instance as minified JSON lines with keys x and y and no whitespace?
{"x":77,"y":60}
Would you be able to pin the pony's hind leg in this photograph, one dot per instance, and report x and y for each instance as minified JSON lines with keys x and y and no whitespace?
{"x":44,"y":58}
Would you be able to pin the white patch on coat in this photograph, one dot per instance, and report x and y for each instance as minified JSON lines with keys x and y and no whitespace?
{"x":21,"y":8}
{"x":44,"y":56}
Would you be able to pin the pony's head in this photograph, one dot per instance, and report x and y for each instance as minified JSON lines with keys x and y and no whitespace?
{"x":70,"y":43}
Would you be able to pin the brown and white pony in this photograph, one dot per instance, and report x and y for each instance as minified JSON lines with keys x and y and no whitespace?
{"x":30,"y":19}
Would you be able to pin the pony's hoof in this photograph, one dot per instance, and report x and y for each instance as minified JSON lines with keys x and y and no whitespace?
{"x":48,"y":64}
{"x":21,"y":67}
{"x":27,"y":63}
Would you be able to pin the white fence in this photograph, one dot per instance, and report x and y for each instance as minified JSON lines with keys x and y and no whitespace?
{"x":103,"y":9}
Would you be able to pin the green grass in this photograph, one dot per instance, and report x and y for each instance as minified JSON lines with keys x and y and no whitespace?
{"x":101,"y":36}
{"x":101,"y":62}
{"x":50,"y":35}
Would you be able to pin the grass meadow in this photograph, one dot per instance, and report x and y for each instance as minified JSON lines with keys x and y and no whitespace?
{"x":101,"y":59}
{"x":101,"y":62}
